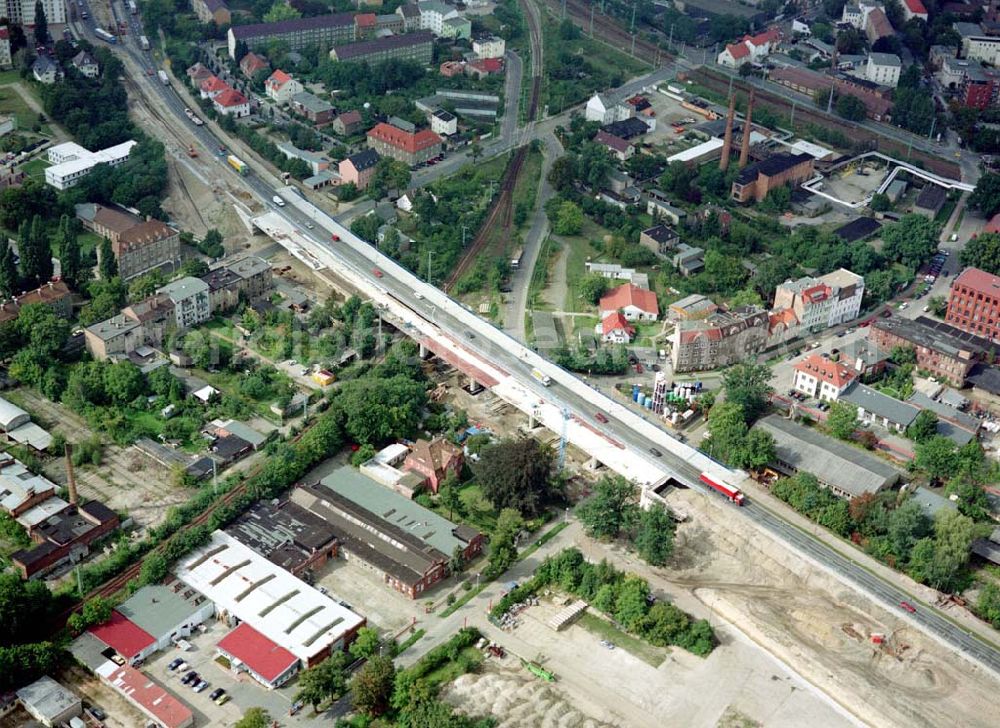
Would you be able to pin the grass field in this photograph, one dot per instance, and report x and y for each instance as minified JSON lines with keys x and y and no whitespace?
{"x":36,"y":169}
{"x":601,"y":627}
{"x":452,"y":669}
{"x":12,"y":104}
{"x":579,"y":252}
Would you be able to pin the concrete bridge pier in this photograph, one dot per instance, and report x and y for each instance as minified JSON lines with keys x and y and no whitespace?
{"x":425,"y":353}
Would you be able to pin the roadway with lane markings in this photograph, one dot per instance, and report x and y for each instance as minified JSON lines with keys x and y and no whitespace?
{"x":636,"y":435}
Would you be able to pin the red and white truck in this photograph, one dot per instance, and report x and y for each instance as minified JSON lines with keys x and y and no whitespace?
{"x":735,"y":495}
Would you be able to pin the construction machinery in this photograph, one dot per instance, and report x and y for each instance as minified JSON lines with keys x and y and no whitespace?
{"x":537,"y":670}
{"x":192,"y":152}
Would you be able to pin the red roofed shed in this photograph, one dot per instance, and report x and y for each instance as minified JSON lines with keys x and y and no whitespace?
{"x":125,"y":637}
{"x":249,"y":651}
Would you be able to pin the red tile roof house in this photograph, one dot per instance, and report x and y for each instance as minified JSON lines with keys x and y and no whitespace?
{"x":280,"y":87}
{"x":252,"y":64}
{"x":411,"y":148}
{"x":251,"y":652}
{"x":634,"y":303}
{"x":484,"y":67}
{"x":620,"y":148}
{"x":821,"y":377}
{"x":364,"y":25}
{"x":212,"y":87}
{"x":198,"y":73}
{"x":232,"y":103}
{"x":615,"y":329}
{"x":434,"y":460}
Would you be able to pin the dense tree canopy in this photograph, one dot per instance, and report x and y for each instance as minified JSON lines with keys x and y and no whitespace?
{"x":515,"y":474}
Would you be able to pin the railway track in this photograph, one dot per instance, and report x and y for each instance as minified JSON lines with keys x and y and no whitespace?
{"x":608,"y":29}
{"x":502,"y":210}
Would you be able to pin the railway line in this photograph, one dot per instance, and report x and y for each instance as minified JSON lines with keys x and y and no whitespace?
{"x":502,"y":209}
{"x":608,"y":29}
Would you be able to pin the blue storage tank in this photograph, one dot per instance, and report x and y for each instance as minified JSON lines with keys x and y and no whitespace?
{"x":641,"y":400}
{"x":649,"y":403}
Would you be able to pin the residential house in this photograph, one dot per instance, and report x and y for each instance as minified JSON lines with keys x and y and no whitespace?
{"x":618,"y":147}
{"x":435,"y":461}
{"x":877,"y":26}
{"x":409,"y":147}
{"x":482,"y":67}
{"x":364,"y":25}
{"x":607,"y":109}
{"x":820,"y":303}
{"x":256,"y":278}
{"x":688,"y":260}
{"x":930,"y":200}
{"x":751,"y":49}
{"x":720,"y":339}
{"x":198,"y":73}
{"x":281,"y":87}
{"x":359,"y":168}
{"x":231,"y":103}
{"x":85,"y":64}
{"x":116,"y":336}
{"x":223,"y":289}
{"x":635,"y":303}
{"x":190,"y":297}
{"x":212,"y":11}
{"x":414,"y":47}
{"x":297,"y":33}
{"x":212,"y":86}
{"x":410,"y":15}
{"x":318,"y":111}
{"x":253,"y":63}
{"x":821,"y":377}
{"x":615,"y":329}
{"x":660,"y":239}
{"x":755,"y":180}
{"x":54,"y":294}
{"x":883,"y":69}
{"x":46,"y":70}
{"x":391,"y":23}
{"x":347,"y":123}
{"x":978,"y":43}
{"x":443,"y":122}
{"x":914,"y":9}
{"x":880,"y":409}
{"x":659,"y":207}
{"x":489,"y":46}
{"x":317,"y":162}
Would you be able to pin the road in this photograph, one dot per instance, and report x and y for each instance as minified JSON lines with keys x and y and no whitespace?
{"x":632,"y":438}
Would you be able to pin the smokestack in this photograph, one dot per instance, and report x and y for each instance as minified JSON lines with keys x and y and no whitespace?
{"x":747,"y":125}
{"x":727,"y":144}
{"x":70,"y":476}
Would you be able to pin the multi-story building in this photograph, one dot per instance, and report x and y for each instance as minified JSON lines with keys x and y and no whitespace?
{"x":443,"y":20}
{"x":85,"y":64}
{"x":660,"y":239}
{"x":63,"y":537}
{"x":417,"y":47}
{"x":755,"y":180}
{"x":347,"y":123}
{"x":974,"y":303}
{"x":883,"y":69}
{"x":489,"y":46}
{"x":116,"y":336}
{"x":255,"y":274}
{"x":22,"y":12}
{"x":71,"y":162}
{"x":212,"y":11}
{"x":877,"y":26}
{"x":977,"y":44}
{"x":408,"y":146}
{"x":5,"y":56}
{"x":751,"y":49}
{"x":443,"y":122}
{"x":192,"y":304}
{"x":54,"y":294}
{"x":720,"y":339}
{"x":359,"y":168}
{"x":434,"y":460}
{"x":820,"y":377}
{"x":819,"y":303}
{"x":607,"y":109}
{"x":147,"y":245}
{"x":318,"y":111}
{"x":914,"y":9}
{"x":223,"y":289}
{"x":321,"y":30}
{"x":945,"y":355}
{"x":281,"y":87}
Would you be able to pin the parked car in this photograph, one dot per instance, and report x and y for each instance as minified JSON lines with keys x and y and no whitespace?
{"x":202,"y":684}
{"x":174,"y":664}
{"x":191,"y":677}
{"x":377,"y":272}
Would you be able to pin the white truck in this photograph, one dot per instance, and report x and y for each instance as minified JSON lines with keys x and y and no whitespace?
{"x":541,"y":376}
{"x":144,"y":42}
{"x":278,"y":201}
{"x":164,"y":79}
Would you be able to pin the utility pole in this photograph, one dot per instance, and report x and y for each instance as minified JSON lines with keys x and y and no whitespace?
{"x":592,"y":7}
{"x":464,"y":228}
{"x":633,"y":43}
{"x":933,"y":122}
{"x":429,"y":253}
{"x":634,"y":6}
{"x":792,"y":121}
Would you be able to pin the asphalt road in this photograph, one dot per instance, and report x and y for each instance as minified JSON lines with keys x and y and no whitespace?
{"x":637,"y":435}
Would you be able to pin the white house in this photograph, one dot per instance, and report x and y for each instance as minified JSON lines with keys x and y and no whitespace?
{"x":615,"y":329}
{"x":607,"y":109}
{"x":751,"y":49}
{"x":45,"y":70}
{"x":433,"y":15}
{"x":800,"y":28}
{"x":634,"y":303}
{"x":489,"y":46}
{"x":914,"y":9}
{"x":443,"y":123}
{"x":232,"y":103}
{"x":71,"y":162}
{"x":85,"y":64}
{"x":280,"y":87}
{"x":821,"y":377}
{"x":883,"y":69}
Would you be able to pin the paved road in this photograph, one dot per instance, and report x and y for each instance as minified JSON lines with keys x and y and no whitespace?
{"x":636,"y":437}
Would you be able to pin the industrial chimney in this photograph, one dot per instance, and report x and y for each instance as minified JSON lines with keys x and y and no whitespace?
{"x":727,"y":144}
{"x":747,"y":126}
{"x":70,"y":476}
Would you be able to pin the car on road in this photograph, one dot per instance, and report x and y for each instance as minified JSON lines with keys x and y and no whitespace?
{"x":335,"y":238}
{"x":377,"y":272}
{"x":656,"y":452}
{"x":310,"y":225}
{"x":95,"y":711}
{"x":469,"y":335}
{"x":418,"y":295}
{"x":908,"y":607}
{"x":175,"y":663}
{"x":601,"y":418}
{"x":609,"y":645}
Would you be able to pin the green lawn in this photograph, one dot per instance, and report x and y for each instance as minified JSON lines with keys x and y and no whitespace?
{"x":621,"y":640}
{"x":11,"y":103}
{"x":579,"y":252}
{"x":36,"y":169}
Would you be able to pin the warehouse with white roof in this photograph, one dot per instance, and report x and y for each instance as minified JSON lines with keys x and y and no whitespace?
{"x":247,"y":588}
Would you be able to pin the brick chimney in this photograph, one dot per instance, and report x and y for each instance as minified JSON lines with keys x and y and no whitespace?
{"x":747,"y":126}
{"x":70,"y":475}
{"x":727,"y":144}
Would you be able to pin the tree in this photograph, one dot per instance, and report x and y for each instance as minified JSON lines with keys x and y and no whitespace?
{"x":731,"y":440}
{"x":612,"y":509}
{"x":107,"y":263}
{"x":746,"y":297}
{"x":937,"y":457}
{"x":366,"y":643}
{"x":924,"y":427}
{"x":938,"y":562}
{"x":254,"y":718}
{"x":325,"y":681}
{"x":42,"y":36}
{"x":211,"y":245}
{"x":912,"y":241}
{"x":850,"y":107}
{"x":371,"y":688}
{"x":748,"y":385}
{"x":70,"y":263}
{"x":592,"y":286}
{"x":503,"y":540}
{"x":983,"y":251}
{"x":95,"y":611}
{"x":568,"y":219}
{"x":986,"y":196}
{"x":281,"y":11}
{"x":842,"y":420}
{"x":880,"y":202}
{"x":938,"y":305}
{"x":988,"y":604}
{"x":654,"y":537}
{"x":8,"y":272}
{"x":515,"y":474}
{"x":450,"y":496}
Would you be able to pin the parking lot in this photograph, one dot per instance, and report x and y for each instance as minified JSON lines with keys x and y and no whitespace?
{"x":243,"y":691}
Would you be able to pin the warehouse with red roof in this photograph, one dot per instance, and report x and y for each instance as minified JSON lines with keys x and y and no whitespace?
{"x":125,"y":637}
{"x":251,"y":652}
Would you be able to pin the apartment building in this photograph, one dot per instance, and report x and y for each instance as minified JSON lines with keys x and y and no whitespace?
{"x":22,"y":12}
{"x":821,"y":377}
{"x":720,"y":339}
{"x":974,"y":303}
{"x":298,"y":33}
{"x":822,"y":302}
{"x":192,"y":304}
{"x":404,"y":145}
{"x":977,"y":44}
{"x":416,"y":47}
